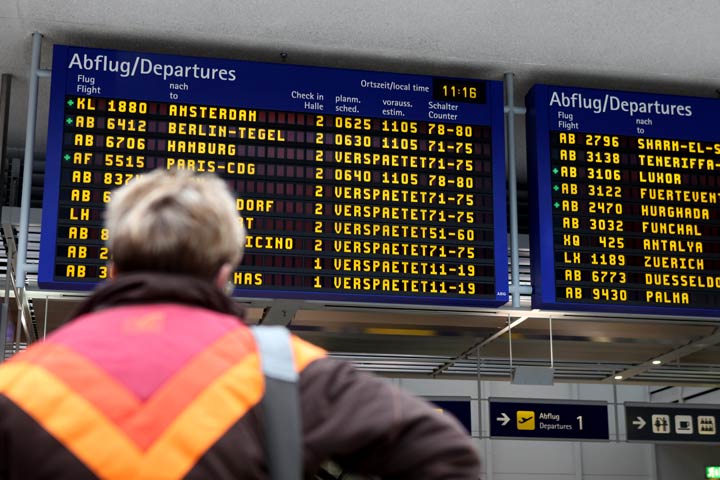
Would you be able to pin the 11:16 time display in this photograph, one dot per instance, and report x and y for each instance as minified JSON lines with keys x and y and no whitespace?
{"x":454,"y":91}
{"x":459,"y":91}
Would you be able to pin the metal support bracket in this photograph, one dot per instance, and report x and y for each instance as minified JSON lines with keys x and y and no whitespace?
{"x":21,"y":268}
{"x":281,"y":312}
{"x":510,"y":111}
{"x":5,"y":84}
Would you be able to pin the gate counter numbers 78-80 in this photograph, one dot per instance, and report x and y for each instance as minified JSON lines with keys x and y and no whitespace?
{"x":354,"y":185}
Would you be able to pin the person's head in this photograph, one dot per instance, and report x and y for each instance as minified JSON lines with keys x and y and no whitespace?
{"x":175,"y":222}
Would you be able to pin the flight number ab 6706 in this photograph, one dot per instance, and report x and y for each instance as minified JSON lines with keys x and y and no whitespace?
{"x":131,"y":143}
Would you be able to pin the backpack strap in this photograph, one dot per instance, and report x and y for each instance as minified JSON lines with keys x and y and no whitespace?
{"x":281,"y":403}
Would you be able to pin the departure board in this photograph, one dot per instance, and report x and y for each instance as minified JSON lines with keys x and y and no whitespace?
{"x":354,"y":186}
{"x":624,"y":201}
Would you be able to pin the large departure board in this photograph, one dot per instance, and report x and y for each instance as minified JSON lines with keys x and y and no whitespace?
{"x":354,"y":185}
{"x":624,"y":201}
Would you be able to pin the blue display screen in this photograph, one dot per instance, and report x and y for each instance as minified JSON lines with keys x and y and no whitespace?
{"x":624,"y":201}
{"x":354,"y":185}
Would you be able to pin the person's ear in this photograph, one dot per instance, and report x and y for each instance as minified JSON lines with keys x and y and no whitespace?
{"x":222,"y":277}
{"x":112,"y":270}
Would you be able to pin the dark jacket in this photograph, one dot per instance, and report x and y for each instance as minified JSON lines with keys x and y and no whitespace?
{"x":156,"y":378}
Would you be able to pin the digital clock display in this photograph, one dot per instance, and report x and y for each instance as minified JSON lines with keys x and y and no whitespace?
{"x":354,"y":186}
{"x":624,"y":191}
{"x":468,"y":91}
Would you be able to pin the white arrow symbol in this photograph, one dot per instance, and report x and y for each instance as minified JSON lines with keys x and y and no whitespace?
{"x":503,"y":418}
{"x":639,"y":422}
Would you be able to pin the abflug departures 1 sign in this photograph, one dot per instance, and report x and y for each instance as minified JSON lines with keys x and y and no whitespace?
{"x":624,"y":201}
{"x":354,"y":185}
{"x":549,"y":419}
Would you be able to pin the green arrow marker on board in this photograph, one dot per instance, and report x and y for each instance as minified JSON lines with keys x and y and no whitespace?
{"x":555,"y":171}
{"x":66,"y":157}
{"x":556,"y":188}
{"x":69,"y":121}
{"x":556,"y":204}
{"x":70,"y":102}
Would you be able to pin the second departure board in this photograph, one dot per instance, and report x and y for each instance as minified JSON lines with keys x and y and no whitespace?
{"x":624,"y":201}
{"x":354,"y":185}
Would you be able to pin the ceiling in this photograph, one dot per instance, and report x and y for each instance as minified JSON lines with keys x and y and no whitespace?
{"x":657,"y":46}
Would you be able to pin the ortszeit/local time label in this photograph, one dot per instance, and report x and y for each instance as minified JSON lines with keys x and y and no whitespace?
{"x":557,"y":420}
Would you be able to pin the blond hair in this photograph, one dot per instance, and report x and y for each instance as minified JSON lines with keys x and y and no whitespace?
{"x":175,"y":222}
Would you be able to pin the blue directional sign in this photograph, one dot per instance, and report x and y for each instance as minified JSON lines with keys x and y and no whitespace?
{"x":674,"y":423}
{"x":551,"y":419}
{"x":460,"y":409}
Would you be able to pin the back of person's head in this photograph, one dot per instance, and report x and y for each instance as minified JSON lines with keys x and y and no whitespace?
{"x":174,"y":222}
